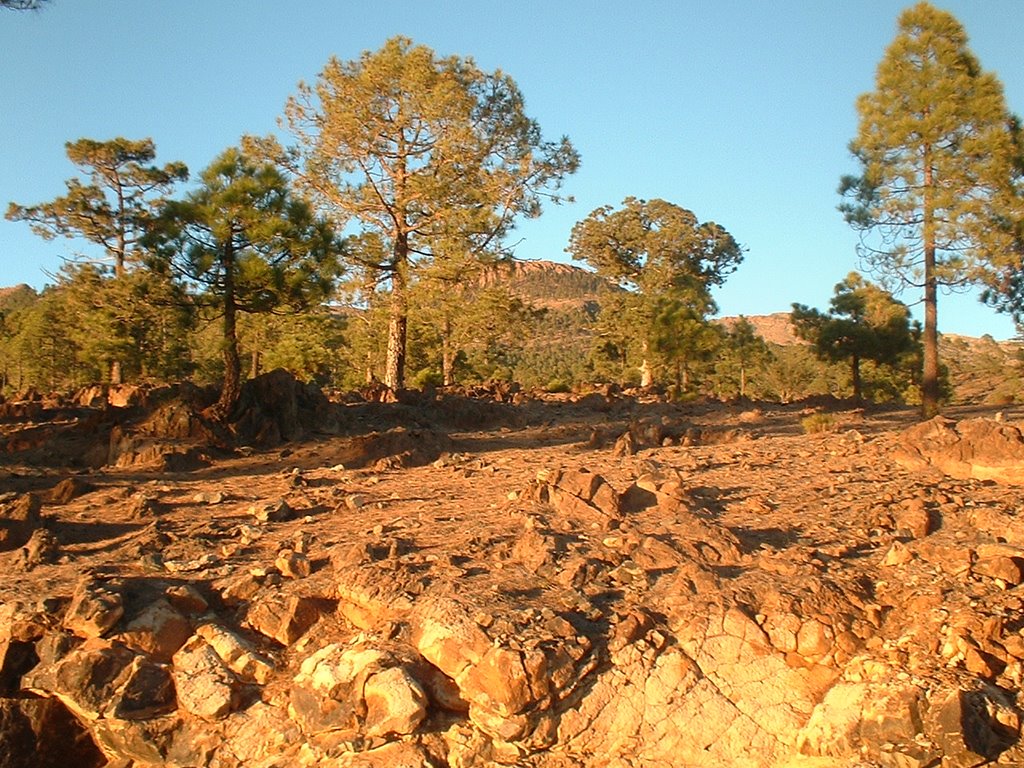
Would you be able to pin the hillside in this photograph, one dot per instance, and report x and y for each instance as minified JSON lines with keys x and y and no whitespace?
{"x":548,"y":284}
{"x":774,"y":328}
{"x":394,"y":587}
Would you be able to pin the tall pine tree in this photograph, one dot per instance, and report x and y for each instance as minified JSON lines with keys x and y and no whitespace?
{"x":247,"y":245}
{"x":937,"y":152}
{"x":419,"y":150}
{"x":667,"y":262}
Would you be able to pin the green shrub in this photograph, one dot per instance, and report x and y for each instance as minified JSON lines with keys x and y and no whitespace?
{"x":557,"y":385}
{"x":427,"y":377}
{"x":817,"y":423}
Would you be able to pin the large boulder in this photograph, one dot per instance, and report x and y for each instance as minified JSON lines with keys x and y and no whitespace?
{"x":19,"y":519}
{"x":275,"y":407}
{"x":983,"y":449}
{"x":41,"y":733}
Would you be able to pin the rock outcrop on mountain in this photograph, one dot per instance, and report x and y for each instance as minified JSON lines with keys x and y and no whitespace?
{"x":728,"y":592}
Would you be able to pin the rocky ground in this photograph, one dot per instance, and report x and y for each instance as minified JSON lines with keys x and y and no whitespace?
{"x":568,"y":581}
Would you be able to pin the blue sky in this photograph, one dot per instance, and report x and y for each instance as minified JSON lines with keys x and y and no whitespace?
{"x":740,"y":111}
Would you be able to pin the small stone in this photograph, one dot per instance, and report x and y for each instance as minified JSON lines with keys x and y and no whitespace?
{"x":273,"y":512}
{"x":293,"y":564}
{"x":912,"y":516}
{"x":982,"y":664}
{"x":898,"y":554}
{"x":208,"y":497}
{"x":356,"y":501}
{"x":94,"y":610}
{"x":42,"y":548}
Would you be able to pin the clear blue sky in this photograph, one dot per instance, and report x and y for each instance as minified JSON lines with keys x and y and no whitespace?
{"x":740,"y":111}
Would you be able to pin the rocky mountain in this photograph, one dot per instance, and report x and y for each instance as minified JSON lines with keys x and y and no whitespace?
{"x":548,"y":284}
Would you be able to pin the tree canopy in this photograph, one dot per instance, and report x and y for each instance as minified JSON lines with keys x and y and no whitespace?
{"x":936,"y":197}
{"x":666,"y":262}
{"x":113,"y":207}
{"x":864,"y":322}
{"x":22,"y":5}
{"x":419,"y":150}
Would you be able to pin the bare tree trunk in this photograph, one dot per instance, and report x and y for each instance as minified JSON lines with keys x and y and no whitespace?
{"x":930,"y":374}
{"x":231,"y":389}
{"x":646,"y":372}
{"x":447,"y":354}
{"x":394,"y":370}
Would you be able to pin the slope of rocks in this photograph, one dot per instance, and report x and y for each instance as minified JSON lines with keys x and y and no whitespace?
{"x":597,"y":581}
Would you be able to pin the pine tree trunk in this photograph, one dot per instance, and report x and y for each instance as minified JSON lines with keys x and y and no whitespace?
{"x":855,"y":376}
{"x":231,"y":389}
{"x":447,"y":354}
{"x":116,"y":376}
{"x":646,"y":374}
{"x":930,"y":378}
{"x":930,"y":374}
{"x":394,"y":370}
{"x":254,"y":364}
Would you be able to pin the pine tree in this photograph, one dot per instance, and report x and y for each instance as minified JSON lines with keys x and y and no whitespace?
{"x":938,"y":155}
{"x":111,"y":209}
{"x":864,"y":322}
{"x":247,"y":245}
{"x":114,"y":206}
{"x":665,"y":261}
{"x":419,"y":150}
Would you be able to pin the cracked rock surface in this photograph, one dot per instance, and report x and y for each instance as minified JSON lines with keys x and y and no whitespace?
{"x":727,"y":592}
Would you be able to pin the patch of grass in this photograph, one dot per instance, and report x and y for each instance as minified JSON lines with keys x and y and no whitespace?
{"x":558,"y":385}
{"x":817,"y":423}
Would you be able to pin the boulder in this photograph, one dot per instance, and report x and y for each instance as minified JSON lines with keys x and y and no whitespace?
{"x":205,"y":686}
{"x":358,"y":688}
{"x":68,"y":489}
{"x":158,"y":630}
{"x":576,"y":493}
{"x":238,"y":654}
{"x":95,"y":608}
{"x":912,"y":517}
{"x":983,"y":449}
{"x":100,"y":679}
{"x":41,"y":733}
{"x":275,"y":407}
{"x":19,"y":519}
{"x":396,"y":703}
{"x":284,"y":618}
{"x":967,"y":727}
